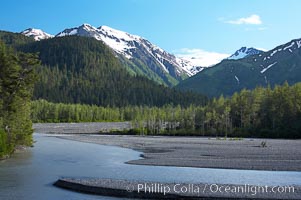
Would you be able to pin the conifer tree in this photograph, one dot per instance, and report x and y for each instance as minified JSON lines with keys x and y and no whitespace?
{"x":16,"y":87}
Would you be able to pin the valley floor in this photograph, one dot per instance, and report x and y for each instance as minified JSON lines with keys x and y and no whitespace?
{"x":280,"y":155}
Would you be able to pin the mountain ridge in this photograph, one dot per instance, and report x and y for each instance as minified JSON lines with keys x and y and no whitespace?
{"x":36,"y":34}
{"x":279,"y":65}
{"x":244,"y":52}
{"x":138,"y":53}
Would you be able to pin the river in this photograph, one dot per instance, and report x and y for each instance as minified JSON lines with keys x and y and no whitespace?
{"x":30,"y":174}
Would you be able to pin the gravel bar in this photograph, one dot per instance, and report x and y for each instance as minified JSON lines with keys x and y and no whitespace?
{"x":156,"y":190}
{"x":204,"y":152}
{"x":80,"y":128}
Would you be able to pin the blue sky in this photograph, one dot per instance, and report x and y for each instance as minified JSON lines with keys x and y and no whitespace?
{"x":179,"y":26}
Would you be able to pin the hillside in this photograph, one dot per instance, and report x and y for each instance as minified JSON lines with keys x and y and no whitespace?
{"x":276,"y":66}
{"x":14,"y":39}
{"x":83,"y":70}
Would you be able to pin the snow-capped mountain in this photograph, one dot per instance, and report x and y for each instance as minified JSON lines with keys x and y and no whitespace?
{"x":140,"y":55}
{"x":119,"y":41}
{"x":36,"y":34}
{"x":244,"y":52}
{"x":277,"y":66}
{"x":137,"y":49}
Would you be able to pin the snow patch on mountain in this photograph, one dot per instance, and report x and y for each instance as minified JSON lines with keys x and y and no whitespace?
{"x":36,"y":34}
{"x":196,"y":69}
{"x":268,"y":67}
{"x":118,"y":43}
{"x":244,"y":52}
{"x":237,"y":79}
{"x":118,"y":34}
{"x":299,"y":43}
{"x":188,"y":66}
{"x":290,"y":46}
{"x":83,"y":30}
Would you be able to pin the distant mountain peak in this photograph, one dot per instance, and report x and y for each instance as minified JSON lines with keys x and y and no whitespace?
{"x":134,"y":46}
{"x":244,"y":52}
{"x":87,"y":27}
{"x":139,"y":51}
{"x":276,"y":66}
{"x":36,"y":34}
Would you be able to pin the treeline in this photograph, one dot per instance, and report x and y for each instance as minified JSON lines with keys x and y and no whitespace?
{"x":262,"y":112}
{"x":44,"y":111}
{"x":16,"y":87}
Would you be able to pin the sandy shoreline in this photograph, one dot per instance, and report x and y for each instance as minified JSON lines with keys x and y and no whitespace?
{"x":280,"y":155}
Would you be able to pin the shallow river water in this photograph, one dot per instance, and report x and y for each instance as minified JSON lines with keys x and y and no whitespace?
{"x":30,"y":174}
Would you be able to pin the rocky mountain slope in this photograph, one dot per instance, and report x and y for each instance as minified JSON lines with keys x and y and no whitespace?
{"x":36,"y":34}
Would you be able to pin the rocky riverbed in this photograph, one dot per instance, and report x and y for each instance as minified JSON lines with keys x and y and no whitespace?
{"x":280,"y":155}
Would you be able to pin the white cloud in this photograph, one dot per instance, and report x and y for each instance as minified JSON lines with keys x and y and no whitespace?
{"x":200,"y":57}
{"x":253,"y":19}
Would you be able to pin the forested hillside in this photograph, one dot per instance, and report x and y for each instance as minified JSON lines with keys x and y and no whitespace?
{"x":138,"y":55}
{"x":14,"y":39}
{"x":83,"y":70}
{"x":279,"y":65}
{"x":16,"y":87}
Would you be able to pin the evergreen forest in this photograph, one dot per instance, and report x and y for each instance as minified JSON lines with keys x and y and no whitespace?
{"x":262,"y":112}
{"x":17,"y":79}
